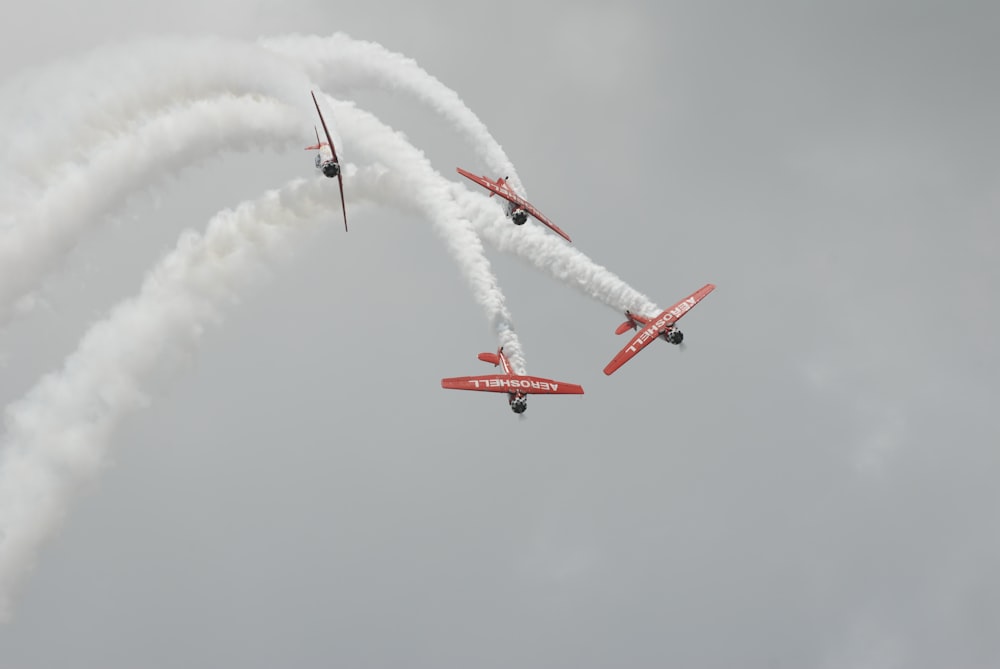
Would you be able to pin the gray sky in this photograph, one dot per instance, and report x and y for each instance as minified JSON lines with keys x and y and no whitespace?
{"x":812,"y":483}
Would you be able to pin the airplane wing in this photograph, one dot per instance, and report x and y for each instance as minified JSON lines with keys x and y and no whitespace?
{"x":486,"y":183}
{"x":508,"y":194}
{"x":333,"y":150}
{"x":652,"y":329}
{"x":325,"y":129}
{"x":340,"y":182}
{"x":502,"y":383}
{"x":530,"y":208}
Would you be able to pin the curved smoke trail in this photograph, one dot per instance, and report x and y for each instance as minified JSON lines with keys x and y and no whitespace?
{"x":139,"y":155}
{"x":340,"y":62}
{"x":57,"y":435}
{"x":61,"y":112}
{"x":432,"y":192}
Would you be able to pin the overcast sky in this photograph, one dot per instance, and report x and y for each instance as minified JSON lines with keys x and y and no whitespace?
{"x":811,"y":483}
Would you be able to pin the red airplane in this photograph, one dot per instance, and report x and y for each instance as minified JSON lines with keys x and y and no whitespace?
{"x":516,"y":386}
{"x":326,"y":159}
{"x":517,"y":207}
{"x":657,"y":326}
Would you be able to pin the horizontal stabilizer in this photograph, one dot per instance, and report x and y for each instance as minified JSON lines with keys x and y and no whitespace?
{"x":491,"y":358}
{"x":625,"y":327}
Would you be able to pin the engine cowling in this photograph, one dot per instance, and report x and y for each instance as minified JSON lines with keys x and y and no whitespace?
{"x":331,"y":169}
{"x":519,"y":404}
{"x":520,"y":217}
{"x":674,"y":336}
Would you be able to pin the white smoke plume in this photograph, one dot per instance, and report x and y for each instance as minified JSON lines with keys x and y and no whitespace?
{"x":57,"y":435}
{"x":552,"y":255}
{"x":61,"y":112}
{"x":136,"y":156}
{"x":432,"y":194}
{"x":341,"y":63}
{"x":182,"y":68}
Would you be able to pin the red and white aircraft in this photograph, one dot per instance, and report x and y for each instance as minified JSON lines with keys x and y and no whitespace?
{"x":516,"y":386}
{"x":326,"y":159}
{"x":657,"y":326}
{"x":517,"y":207}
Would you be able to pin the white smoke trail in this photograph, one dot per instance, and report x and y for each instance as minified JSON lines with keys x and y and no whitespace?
{"x":57,"y":435}
{"x":28,"y":251}
{"x":431,"y":192}
{"x":340,"y":62}
{"x":552,"y":255}
{"x":136,"y":156}
{"x":32,"y":250}
{"x":344,"y":61}
{"x":61,"y":112}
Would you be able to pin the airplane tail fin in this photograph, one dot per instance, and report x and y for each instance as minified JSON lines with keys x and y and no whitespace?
{"x":501,"y":181}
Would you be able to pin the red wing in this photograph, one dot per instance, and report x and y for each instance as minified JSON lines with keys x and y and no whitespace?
{"x":326,"y":131}
{"x":654,"y":326}
{"x":528,"y":207}
{"x":508,"y":194}
{"x":501,"y":383}
{"x":333,"y":151}
{"x":640,"y":341}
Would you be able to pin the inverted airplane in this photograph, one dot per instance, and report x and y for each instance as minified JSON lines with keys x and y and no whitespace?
{"x":517,"y":207}
{"x":516,"y":386}
{"x":326,"y":159}
{"x":656,"y":326}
